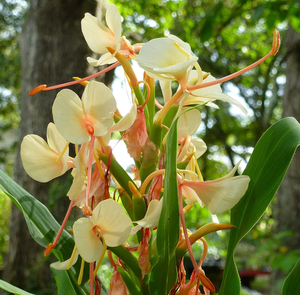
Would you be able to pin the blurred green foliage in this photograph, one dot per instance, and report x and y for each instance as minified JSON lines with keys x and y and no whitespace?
{"x":226,"y":36}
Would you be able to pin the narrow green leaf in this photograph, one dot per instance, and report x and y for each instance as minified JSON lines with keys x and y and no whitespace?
{"x":164,"y":273}
{"x":42,"y":225}
{"x":12,"y":289}
{"x":266,"y":169}
{"x":64,"y":283}
{"x":292,"y":282}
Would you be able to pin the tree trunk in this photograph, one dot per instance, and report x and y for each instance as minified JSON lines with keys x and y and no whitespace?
{"x":287,"y":208}
{"x":53,"y":50}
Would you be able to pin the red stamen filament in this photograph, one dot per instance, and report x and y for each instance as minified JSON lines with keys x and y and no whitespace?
{"x":45,"y":88}
{"x":90,"y":162}
{"x":148,"y":93}
{"x":275,"y":47}
{"x":51,"y":246}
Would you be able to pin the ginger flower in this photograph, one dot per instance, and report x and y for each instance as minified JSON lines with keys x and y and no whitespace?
{"x":99,"y":37}
{"x":217,"y":195}
{"x":207,"y":95}
{"x":108,"y":224}
{"x":44,"y":162}
{"x":167,"y":59}
{"x":77,"y":120}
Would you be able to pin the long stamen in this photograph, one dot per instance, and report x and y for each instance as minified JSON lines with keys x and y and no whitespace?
{"x":149,"y":178}
{"x":205,"y":281}
{"x":72,"y":257}
{"x":45,"y":88}
{"x":101,"y":258}
{"x":51,"y":246}
{"x":80,"y":276}
{"x":90,"y":161}
{"x":62,"y":153}
{"x":275,"y":48}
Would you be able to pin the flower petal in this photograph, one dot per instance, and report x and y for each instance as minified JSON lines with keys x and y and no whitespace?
{"x":68,"y":117}
{"x":113,"y":20}
{"x":126,"y":121}
{"x":188,"y":123}
{"x":88,"y":244}
{"x":39,"y":160}
{"x":152,"y":215}
{"x":115,"y":225}
{"x":220,"y":195}
{"x":99,"y":105}
{"x":97,"y":36}
{"x":64,"y":264}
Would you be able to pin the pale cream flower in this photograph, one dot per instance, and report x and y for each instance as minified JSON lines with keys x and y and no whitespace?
{"x":217,"y":195}
{"x":167,"y":59}
{"x":77,"y":120}
{"x":41,"y":160}
{"x":108,"y":222}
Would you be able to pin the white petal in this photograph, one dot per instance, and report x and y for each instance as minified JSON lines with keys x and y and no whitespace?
{"x":64,"y":264}
{"x":97,"y":36}
{"x":68,"y":117}
{"x":113,"y":20}
{"x":99,"y":105}
{"x":39,"y":160}
{"x":188,"y":123}
{"x":199,"y":145}
{"x":56,"y":142}
{"x":165,"y":86}
{"x":88,"y":244}
{"x":152,"y":215}
{"x":115,"y":225}
{"x":126,"y":121}
{"x":220,"y":196}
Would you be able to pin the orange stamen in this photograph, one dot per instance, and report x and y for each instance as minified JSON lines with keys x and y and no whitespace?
{"x":37,"y":89}
{"x":51,"y":246}
{"x":45,"y":88}
{"x":275,"y":47}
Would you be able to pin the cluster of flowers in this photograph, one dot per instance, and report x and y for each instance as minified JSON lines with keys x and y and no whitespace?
{"x":88,"y":123}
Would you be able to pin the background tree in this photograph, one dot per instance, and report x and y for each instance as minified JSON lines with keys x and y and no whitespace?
{"x":53,"y":50}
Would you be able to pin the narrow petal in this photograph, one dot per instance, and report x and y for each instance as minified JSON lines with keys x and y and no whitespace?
{"x":126,"y":121}
{"x":220,"y":196}
{"x":115,"y":225}
{"x":99,"y":105}
{"x":56,"y":142}
{"x":97,"y":36}
{"x":88,"y":244}
{"x":64,"y":264}
{"x":113,"y":20}
{"x":68,"y":117}
{"x":39,"y":160}
{"x":152,"y":215}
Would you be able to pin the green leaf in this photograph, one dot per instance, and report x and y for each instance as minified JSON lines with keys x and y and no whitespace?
{"x":131,"y":286}
{"x":42,"y":225}
{"x":292,"y":283}
{"x":164,"y":273}
{"x":12,"y":289}
{"x":64,"y":283}
{"x":266,"y":169}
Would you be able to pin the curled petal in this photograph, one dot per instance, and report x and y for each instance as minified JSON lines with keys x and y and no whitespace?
{"x":64,"y":264}
{"x":88,"y":244}
{"x":126,"y":121}
{"x":200,"y":146}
